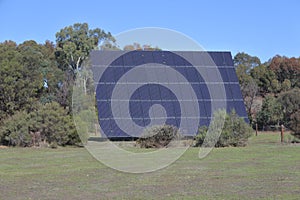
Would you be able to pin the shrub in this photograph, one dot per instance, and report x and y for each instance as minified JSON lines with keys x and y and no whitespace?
{"x":290,"y":102}
{"x":158,"y":136}
{"x":235,"y":132}
{"x":270,"y":113}
{"x":295,"y":124}
{"x":14,"y":131}
{"x":199,"y":138}
{"x":55,"y":124}
{"x":51,"y":121}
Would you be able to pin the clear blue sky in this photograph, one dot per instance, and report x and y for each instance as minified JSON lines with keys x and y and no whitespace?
{"x":262,"y":28}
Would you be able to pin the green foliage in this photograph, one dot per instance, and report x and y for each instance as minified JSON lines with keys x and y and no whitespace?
{"x":249,"y":91}
{"x":286,"y":85}
{"x":290,"y":102}
{"x":74,"y":43}
{"x":20,"y":80}
{"x":271,"y":112}
{"x":244,"y":63}
{"x":14,"y":131}
{"x":28,"y":74}
{"x":54,"y":124}
{"x":50,"y":121}
{"x":158,"y":136}
{"x":199,"y":138}
{"x":235,"y":132}
{"x":286,"y":68}
{"x":295,"y":124}
{"x":85,"y":122}
{"x":263,"y":77}
{"x":84,"y":111}
{"x":278,"y":78}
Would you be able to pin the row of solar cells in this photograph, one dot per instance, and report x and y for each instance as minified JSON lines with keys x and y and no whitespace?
{"x":113,"y":74}
{"x":154,"y":93}
{"x":196,"y":58}
{"x":140,"y":109}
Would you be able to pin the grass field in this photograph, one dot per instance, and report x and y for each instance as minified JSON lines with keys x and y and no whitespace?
{"x":264,"y":169}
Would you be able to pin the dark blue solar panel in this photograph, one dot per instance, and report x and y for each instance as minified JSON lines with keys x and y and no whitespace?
{"x":144,"y":94}
{"x":212,"y":73}
{"x":118,"y":72}
{"x":179,"y":61}
{"x":139,"y":58}
{"x":176,"y":109}
{"x":204,"y":91}
{"x":178,"y":121}
{"x":218,"y":58}
{"x":118,"y":62}
{"x":168,"y":105}
{"x":154,"y":92}
{"x":228,"y":59}
{"x":240,"y":108}
{"x":229,"y":91}
{"x":145,"y":109}
{"x":135,"y":108}
{"x":204,"y":122}
{"x":104,"y":91}
{"x":181,"y":70}
{"x":193,"y":75}
{"x":236,"y":91}
{"x":230,"y":105}
{"x":162,"y":57}
{"x":176,"y":97}
{"x":104,"y":113}
{"x":232,"y":74}
{"x":147,"y":58}
{"x":199,"y":90}
{"x":223,"y":72}
{"x":127,"y":59}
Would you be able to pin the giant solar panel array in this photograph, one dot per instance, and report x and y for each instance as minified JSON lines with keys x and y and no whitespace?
{"x":126,"y":111}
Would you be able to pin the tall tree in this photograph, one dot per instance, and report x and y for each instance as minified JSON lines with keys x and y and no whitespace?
{"x":246,"y":61}
{"x":73,"y":46}
{"x":21,"y":79}
{"x":243,"y":64}
{"x":40,"y":58}
{"x":74,"y":43}
{"x":290,"y":102}
{"x":249,"y":90}
{"x":271,"y":112}
{"x":263,"y":76}
{"x":286,"y":69}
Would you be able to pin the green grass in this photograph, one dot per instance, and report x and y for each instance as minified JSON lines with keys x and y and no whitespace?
{"x":264,"y":169}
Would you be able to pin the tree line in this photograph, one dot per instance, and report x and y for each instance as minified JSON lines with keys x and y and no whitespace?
{"x":36,"y":83}
{"x":270,"y":90}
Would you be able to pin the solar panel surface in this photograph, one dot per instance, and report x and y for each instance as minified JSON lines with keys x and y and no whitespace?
{"x":136,"y":89}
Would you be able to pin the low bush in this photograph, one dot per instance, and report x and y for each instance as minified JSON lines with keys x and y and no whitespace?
{"x":295,"y":124}
{"x":235,"y":132}
{"x":158,"y":136}
{"x":14,"y":130}
{"x":48,"y":124}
